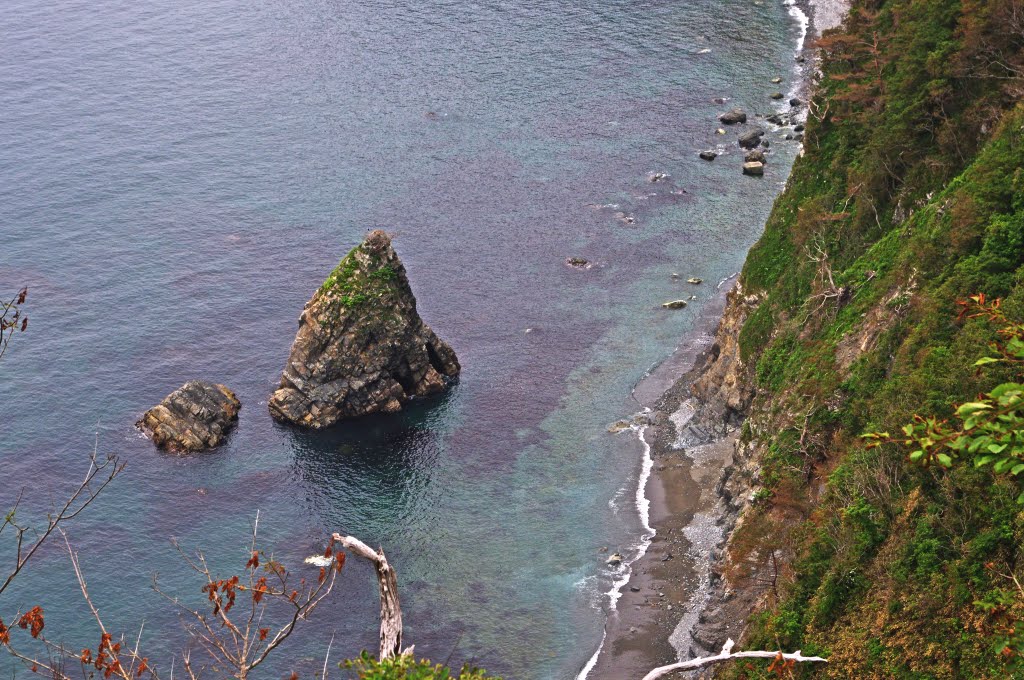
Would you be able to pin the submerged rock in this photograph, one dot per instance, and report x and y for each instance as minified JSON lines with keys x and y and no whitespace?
{"x":753,"y":168}
{"x":195,"y":417}
{"x":674,"y":304}
{"x":733,"y":117}
{"x":619,"y":426}
{"x":695,"y":280}
{"x":708,"y":155}
{"x":749,"y":140}
{"x":361,"y":346}
{"x":578,"y":263}
{"x":755,"y":156}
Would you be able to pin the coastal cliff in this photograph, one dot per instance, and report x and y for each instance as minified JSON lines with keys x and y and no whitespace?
{"x":906,"y":202}
{"x":361,"y":346}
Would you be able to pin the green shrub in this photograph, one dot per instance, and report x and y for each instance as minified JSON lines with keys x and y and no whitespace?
{"x":407,"y":667}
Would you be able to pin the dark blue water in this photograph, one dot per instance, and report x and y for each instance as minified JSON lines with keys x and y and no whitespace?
{"x":176,"y":179}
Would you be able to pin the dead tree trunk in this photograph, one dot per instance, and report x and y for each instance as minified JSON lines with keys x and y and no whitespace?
{"x":782,"y":661}
{"x":387,"y":582}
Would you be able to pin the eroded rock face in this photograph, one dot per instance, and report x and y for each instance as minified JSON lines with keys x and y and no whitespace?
{"x":194,"y":417}
{"x":726,"y":385}
{"x":361,"y":346}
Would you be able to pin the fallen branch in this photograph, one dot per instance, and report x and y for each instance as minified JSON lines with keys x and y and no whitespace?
{"x":390,"y":611}
{"x":727,"y":654}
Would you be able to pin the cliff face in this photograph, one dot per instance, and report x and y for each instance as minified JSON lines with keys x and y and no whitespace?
{"x":726,"y":385}
{"x":361,"y":346}
{"x":907,"y":200}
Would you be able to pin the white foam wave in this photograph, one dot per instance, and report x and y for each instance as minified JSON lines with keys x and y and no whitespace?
{"x":622,"y":574}
{"x":803,"y":23}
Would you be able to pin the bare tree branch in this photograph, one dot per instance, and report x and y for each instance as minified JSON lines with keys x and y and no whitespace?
{"x":387,"y":582}
{"x":784,"y":660}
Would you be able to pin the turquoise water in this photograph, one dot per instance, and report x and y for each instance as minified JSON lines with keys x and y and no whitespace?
{"x":176,"y":179}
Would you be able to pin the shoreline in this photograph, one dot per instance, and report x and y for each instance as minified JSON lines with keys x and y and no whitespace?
{"x":669,"y":608}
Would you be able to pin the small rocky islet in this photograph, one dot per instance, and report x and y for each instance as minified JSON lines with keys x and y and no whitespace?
{"x":361,"y":348}
{"x":195,"y":417}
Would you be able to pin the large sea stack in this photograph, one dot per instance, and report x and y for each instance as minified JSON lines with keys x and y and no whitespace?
{"x":361,"y":347}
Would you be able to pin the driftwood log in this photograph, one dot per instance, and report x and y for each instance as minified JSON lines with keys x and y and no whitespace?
{"x":725,"y":655}
{"x":387,"y":582}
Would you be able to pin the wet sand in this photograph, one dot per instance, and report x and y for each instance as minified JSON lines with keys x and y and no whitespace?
{"x":682,"y":488}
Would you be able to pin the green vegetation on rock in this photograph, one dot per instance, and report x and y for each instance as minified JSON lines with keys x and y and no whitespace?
{"x":360,"y":277}
{"x":908,"y":200}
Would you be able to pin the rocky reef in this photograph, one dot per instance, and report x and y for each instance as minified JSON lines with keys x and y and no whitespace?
{"x":361,"y":346}
{"x":194,"y":417}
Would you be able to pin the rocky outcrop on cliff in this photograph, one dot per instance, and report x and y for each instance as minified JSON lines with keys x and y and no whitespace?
{"x":726,"y":385}
{"x":194,"y":417}
{"x":361,"y":346}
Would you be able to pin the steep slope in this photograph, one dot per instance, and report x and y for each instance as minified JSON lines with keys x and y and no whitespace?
{"x":908,"y":199}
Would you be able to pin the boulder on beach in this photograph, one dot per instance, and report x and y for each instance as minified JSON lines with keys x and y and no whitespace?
{"x":733,"y":117}
{"x":195,"y":417}
{"x":753,"y":168}
{"x":751,"y":138}
{"x":361,"y":346}
{"x":796,"y":101}
{"x":776,"y":119}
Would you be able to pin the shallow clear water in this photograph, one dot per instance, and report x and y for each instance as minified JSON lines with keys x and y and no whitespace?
{"x":176,"y":179}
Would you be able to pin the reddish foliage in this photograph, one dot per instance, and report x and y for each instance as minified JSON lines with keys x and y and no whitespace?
{"x":781,"y":666}
{"x":224,"y":600}
{"x":33,"y":621}
{"x":259,"y":589}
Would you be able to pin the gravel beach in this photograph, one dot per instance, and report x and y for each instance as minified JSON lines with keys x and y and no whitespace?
{"x":663,"y":614}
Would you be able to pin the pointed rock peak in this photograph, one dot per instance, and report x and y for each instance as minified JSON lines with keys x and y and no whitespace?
{"x":361,"y":346}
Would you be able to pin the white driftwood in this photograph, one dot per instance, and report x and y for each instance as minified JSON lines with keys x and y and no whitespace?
{"x":390,"y":611}
{"x":725,"y":655}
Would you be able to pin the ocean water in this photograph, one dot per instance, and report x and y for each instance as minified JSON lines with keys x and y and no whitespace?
{"x":176,"y":179}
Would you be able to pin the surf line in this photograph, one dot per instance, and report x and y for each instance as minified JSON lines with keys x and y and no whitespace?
{"x":643,"y":506}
